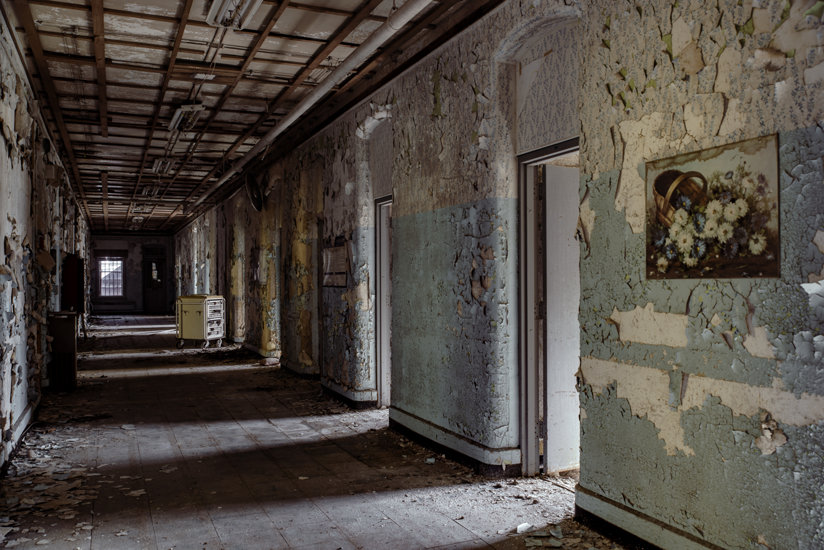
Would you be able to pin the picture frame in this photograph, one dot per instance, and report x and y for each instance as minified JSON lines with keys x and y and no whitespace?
{"x":714,"y":213}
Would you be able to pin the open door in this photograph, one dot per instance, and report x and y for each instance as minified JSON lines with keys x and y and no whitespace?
{"x":383,"y":216}
{"x":550,"y":282}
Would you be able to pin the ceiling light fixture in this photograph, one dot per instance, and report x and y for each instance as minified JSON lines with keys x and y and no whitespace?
{"x":185,"y":116}
{"x":162,"y":166}
{"x":232,"y":13}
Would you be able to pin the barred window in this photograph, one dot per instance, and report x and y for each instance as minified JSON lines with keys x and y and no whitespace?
{"x":111,"y":277}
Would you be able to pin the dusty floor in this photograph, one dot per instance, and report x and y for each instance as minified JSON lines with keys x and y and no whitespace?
{"x":165,"y":448}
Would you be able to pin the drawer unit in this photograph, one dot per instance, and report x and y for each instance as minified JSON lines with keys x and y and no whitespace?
{"x":200,"y":317}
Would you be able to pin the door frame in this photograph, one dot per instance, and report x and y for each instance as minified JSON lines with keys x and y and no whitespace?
{"x":533,"y":284}
{"x":383,"y":312}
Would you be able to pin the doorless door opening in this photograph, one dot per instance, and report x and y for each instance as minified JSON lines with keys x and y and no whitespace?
{"x":550,"y":283}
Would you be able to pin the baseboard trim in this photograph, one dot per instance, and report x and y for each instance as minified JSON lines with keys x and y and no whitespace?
{"x":261,"y":352}
{"x":301,"y":369}
{"x":504,"y":462}
{"x":636,"y":523}
{"x":349,"y":400}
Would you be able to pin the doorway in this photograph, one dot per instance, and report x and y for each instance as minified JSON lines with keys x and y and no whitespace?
{"x":383,"y":237}
{"x":550,"y":282}
{"x":154,"y":285}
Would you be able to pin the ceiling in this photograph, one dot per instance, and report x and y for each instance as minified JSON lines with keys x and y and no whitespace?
{"x":154,"y":109}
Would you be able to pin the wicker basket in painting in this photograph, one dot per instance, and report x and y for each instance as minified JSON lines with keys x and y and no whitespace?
{"x":690,"y":184}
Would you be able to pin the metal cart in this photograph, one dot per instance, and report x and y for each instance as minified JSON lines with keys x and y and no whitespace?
{"x":200,"y":317}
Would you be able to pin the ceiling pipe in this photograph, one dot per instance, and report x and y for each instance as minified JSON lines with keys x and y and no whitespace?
{"x":390,"y":27}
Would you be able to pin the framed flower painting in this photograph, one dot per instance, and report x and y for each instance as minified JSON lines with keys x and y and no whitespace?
{"x":714,"y":213}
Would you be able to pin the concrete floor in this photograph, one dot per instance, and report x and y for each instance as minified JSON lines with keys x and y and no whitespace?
{"x":165,"y":448}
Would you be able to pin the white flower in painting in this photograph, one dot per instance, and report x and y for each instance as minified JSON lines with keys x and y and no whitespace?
{"x":748,"y":186}
{"x":684,"y":242}
{"x":757,"y":244}
{"x":742,"y":207}
{"x":675,"y":230}
{"x":724,"y":232}
{"x":663,"y":265}
{"x":731,"y":212}
{"x":690,"y":261}
{"x":680,"y":217}
{"x":710,"y":229}
{"x":714,"y":210}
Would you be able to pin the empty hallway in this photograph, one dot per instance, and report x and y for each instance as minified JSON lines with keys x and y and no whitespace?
{"x":532,"y":236}
{"x":166,"y":448}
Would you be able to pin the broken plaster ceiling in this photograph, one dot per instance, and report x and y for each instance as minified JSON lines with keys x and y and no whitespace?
{"x":113,"y":74}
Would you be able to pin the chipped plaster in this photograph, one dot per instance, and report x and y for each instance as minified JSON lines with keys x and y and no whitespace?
{"x":662,"y":413}
{"x":647,"y":391}
{"x":647,"y":326}
{"x":38,"y":215}
{"x":744,"y":384}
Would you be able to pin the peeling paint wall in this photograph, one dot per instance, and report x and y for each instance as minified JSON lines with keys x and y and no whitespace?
{"x":235,"y":251}
{"x":236,"y":210}
{"x":448,"y":158}
{"x":40,"y":222}
{"x":702,"y":400}
{"x":263,"y":289}
{"x":303,"y":204}
{"x":544,"y":54}
{"x":357,"y":155}
{"x":504,"y":86}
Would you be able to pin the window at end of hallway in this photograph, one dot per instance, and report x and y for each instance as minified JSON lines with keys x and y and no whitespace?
{"x":111,"y":276}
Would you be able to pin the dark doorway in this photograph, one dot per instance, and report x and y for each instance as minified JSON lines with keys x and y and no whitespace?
{"x":154,"y":285}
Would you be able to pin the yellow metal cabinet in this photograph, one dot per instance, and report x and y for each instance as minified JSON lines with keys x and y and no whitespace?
{"x":200,"y":317}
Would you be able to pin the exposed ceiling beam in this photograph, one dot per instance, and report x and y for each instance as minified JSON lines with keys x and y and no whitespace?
{"x":295,"y":5}
{"x":329,"y":11}
{"x":292,"y":59}
{"x":104,"y":182}
{"x":119,"y":42}
{"x":23,"y":12}
{"x":363,"y":12}
{"x":257,"y":99}
{"x":100,"y":63}
{"x":253,"y":50}
{"x":113,"y":101}
{"x":380,"y":69}
{"x":225,"y":129}
{"x":181,"y":27}
{"x":203,"y":24}
{"x":118,"y":75}
{"x":335,"y":40}
{"x":185,"y":70}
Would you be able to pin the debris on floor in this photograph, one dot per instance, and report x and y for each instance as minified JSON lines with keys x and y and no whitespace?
{"x":218,"y":451}
{"x":42,"y":488}
{"x":572,"y":535}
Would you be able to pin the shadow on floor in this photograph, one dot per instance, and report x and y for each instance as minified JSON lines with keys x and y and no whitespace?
{"x":166,"y":448}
